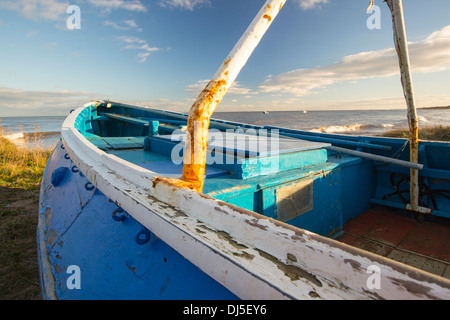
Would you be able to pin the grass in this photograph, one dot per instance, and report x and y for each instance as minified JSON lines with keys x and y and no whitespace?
{"x":21,"y":167}
{"x":21,"y":172}
{"x":435,"y":133}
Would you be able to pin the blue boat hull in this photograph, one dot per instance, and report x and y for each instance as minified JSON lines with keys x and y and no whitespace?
{"x":117,"y":257}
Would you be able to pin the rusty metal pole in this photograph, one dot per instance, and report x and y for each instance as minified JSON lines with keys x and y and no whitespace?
{"x":200,"y":113}
{"x":401,"y":45}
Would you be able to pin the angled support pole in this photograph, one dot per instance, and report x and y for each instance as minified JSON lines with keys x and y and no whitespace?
{"x":200,"y":113}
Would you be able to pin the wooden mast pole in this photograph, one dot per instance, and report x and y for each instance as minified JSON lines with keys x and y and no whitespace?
{"x":401,"y":45}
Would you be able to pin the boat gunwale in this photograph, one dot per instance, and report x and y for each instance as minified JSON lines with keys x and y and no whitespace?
{"x":171,"y":195}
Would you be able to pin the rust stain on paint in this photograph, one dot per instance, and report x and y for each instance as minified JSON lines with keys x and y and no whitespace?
{"x":197,"y":128}
{"x":181,"y":183}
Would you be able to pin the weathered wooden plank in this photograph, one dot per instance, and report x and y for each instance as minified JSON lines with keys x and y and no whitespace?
{"x":398,"y":255}
{"x":435,"y":267}
{"x":372,"y":246}
{"x":416,"y":261}
{"x":253,"y":256}
{"x":447,"y":272}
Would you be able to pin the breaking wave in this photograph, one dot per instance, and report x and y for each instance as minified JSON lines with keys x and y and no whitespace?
{"x":335,"y":129}
{"x":27,"y":135}
{"x":42,"y":140}
{"x":353,"y":128}
{"x":13,"y":136}
{"x":422,"y":119}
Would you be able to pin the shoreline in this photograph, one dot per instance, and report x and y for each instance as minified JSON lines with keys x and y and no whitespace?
{"x":434,"y":108}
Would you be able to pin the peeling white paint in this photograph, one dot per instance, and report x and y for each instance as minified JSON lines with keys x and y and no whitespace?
{"x":255,"y":258}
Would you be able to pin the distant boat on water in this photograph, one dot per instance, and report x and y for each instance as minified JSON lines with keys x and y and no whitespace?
{"x":266,"y":112}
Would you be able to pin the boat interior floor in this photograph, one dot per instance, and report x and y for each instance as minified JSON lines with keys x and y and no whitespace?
{"x":398,"y":236}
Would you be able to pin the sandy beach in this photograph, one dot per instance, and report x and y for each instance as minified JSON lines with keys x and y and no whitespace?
{"x":21,"y":171}
{"x":18,"y":254}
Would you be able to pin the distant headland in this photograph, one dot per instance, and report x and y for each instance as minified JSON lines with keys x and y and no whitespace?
{"x":442,"y":107}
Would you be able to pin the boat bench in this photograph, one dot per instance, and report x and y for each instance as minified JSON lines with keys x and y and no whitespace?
{"x":116,"y":143}
{"x":150,"y":127}
{"x":243,"y":155}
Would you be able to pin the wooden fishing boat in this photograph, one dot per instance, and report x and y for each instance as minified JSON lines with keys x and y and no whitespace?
{"x":139,"y":203}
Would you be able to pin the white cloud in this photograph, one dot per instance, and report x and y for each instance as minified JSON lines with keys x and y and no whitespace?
{"x":124,"y":25}
{"x":130,"y":23}
{"x":130,"y":39}
{"x":109,"y":5}
{"x":235,"y":88}
{"x":183,"y":4}
{"x":51,"y":10}
{"x":135,"y":43}
{"x":429,"y":55}
{"x":142,"y":56}
{"x":17,"y":102}
{"x":56,"y":10}
{"x":311,"y":4}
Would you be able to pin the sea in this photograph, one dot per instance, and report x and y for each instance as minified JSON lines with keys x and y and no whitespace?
{"x":45,"y":130}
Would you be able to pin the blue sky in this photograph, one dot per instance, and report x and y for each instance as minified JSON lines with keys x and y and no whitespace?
{"x":317,"y":55}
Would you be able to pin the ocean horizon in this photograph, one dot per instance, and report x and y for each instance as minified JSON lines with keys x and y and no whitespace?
{"x":352,"y":122}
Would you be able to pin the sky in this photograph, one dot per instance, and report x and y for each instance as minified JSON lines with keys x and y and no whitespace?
{"x":317,"y":54}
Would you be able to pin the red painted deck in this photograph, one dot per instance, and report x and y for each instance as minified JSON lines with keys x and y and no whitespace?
{"x":396,"y":236}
